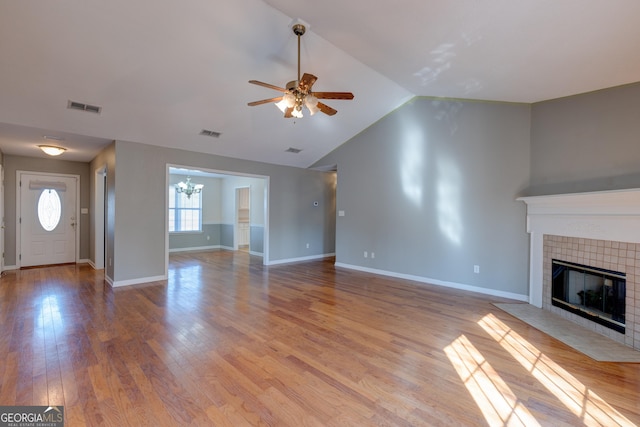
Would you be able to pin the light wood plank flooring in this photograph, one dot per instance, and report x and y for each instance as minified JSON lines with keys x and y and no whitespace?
{"x":228,"y":342}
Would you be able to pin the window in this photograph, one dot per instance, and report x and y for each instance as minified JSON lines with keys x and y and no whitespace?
{"x":49,"y":209}
{"x":185,"y":213}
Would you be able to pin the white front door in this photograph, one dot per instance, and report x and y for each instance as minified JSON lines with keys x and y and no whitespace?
{"x":47,"y":219}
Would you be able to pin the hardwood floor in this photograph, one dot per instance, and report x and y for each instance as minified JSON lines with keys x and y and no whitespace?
{"x":228,"y":342}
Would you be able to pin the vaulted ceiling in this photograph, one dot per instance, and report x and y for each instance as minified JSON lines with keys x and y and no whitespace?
{"x":163,"y":71}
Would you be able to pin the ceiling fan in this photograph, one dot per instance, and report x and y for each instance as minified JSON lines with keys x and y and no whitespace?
{"x":298,"y":92}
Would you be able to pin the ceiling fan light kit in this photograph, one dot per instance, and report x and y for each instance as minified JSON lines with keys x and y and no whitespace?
{"x":298,"y":94}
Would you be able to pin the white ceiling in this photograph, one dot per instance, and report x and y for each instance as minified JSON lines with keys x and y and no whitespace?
{"x":164,"y":70}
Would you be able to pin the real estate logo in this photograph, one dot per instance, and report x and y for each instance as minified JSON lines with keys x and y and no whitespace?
{"x":31,"y":416}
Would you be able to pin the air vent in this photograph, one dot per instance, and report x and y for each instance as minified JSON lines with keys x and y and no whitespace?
{"x":53,"y":138}
{"x":211,"y":133}
{"x":293,"y":150}
{"x":73,"y":105}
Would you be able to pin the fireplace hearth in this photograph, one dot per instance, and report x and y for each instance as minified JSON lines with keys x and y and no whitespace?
{"x":594,"y":293}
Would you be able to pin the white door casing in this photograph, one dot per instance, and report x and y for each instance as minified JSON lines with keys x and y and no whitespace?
{"x":1,"y":219}
{"x":55,"y":242}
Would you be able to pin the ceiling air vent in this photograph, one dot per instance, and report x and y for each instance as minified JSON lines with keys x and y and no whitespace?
{"x":73,"y":105}
{"x":211,"y":133}
{"x":293,"y":150}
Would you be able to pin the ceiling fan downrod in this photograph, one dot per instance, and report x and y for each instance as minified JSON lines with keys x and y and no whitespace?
{"x":298,"y":30}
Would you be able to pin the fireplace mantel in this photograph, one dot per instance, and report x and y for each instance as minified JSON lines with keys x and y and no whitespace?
{"x":603,"y":215}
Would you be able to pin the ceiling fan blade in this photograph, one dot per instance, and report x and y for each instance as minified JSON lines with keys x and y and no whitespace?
{"x":333,"y":95}
{"x":306,"y":82}
{"x":264,"y":101}
{"x":326,"y":109}
{"x":256,"y":82}
{"x":287,"y":113}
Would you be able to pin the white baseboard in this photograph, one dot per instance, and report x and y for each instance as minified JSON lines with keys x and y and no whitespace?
{"x":130,"y":282}
{"x":93,"y":265}
{"x":300,"y":259}
{"x":195,"y":248}
{"x":80,"y":261}
{"x":207,"y":248}
{"x":453,"y":285}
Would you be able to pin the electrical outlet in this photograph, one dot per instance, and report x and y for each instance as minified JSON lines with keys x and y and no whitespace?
{"x":476,"y":269}
{"x":307,"y":246}
{"x":373,"y":255}
{"x":366,"y":254}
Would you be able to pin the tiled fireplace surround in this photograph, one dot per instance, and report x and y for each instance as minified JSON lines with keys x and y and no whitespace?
{"x":599,"y":229}
{"x":616,"y":256}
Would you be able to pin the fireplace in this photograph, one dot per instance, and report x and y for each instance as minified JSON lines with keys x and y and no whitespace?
{"x":599,"y":231}
{"x":590,"y":292}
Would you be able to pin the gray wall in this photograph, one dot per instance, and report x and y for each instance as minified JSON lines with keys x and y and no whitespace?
{"x":209,"y":237}
{"x":226,"y":235}
{"x":140,"y":213}
{"x":431,"y":190}
{"x":16,"y":163}
{"x":588,"y":142}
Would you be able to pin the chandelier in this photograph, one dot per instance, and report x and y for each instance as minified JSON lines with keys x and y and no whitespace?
{"x":188,"y":188}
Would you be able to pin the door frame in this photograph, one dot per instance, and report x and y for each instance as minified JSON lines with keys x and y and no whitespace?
{"x":266,"y":178}
{"x":19,"y":174}
{"x":99,"y":208}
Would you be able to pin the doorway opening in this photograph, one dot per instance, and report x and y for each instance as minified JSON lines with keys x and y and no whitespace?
{"x":242,"y":234}
{"x":232,"y":213}
{"x":99,"y":212}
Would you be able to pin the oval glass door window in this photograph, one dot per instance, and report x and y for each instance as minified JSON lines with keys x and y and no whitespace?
{"x":49,"y":209}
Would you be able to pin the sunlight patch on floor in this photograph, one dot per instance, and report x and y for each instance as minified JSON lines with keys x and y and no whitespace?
{"x":581,"y":401}
{"x":499,"y":405}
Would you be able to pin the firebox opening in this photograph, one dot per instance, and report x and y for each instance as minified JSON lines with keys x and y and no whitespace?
{"x":593,"y":293}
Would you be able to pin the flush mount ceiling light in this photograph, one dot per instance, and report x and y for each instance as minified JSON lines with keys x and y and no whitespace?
{"x":188,"y":188}
{"x":298,"y":92}
{"x":52,"y":150}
